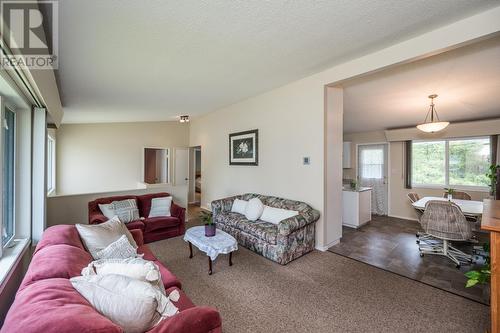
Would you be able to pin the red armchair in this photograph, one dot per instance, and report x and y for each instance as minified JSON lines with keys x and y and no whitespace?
{"x":154,"y":228}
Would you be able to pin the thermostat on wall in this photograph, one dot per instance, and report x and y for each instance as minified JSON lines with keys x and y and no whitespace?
{"x":307,"y":160}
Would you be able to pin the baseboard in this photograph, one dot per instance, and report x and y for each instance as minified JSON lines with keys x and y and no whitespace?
{"x":403,"y":217}
{"x":327,"y":246}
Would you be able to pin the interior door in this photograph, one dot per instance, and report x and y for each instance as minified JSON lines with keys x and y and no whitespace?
{"x":372,"y":172}
{"x":181,"y":168}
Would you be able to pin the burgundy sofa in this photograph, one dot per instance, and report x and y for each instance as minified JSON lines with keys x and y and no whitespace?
{"x":155,"y":228}
{"x":46,"y":302}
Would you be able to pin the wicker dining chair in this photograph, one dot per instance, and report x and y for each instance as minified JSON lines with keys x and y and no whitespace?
{"x":445,"y":221}
{"x":458,"y":195}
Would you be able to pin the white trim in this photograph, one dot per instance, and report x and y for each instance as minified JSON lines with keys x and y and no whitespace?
{"x":11,"y":257}
{"x":327,"y":246}
{"x":403,"y":217}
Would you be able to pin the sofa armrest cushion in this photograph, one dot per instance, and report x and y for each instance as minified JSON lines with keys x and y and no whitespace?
{"x":97,"y":218}
{"x":297,"y":222}
{"x":199,"y":319}
{"x":138,"y":236}
{"x":177,"y":211}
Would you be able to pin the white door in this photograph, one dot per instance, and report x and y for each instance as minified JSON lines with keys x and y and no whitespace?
{"x":372,"y":172}
{"x":181,"y":167}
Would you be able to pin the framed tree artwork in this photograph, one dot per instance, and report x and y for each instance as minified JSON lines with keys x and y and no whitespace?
{"x":244,"y":148}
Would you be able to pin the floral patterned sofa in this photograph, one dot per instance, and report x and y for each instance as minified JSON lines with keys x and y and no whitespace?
{"x":282,"y":243}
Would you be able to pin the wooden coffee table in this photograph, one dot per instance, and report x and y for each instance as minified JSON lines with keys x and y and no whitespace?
{"x":221,"y":243}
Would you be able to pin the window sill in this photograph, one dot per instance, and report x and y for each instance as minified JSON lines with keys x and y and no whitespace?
{"x":10,"y":258}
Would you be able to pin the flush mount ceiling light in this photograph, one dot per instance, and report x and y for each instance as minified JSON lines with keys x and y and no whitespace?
{"x":184,"y":119}
{"x":432,"y":123}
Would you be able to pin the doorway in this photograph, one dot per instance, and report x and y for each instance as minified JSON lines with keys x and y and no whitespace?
{"x":373,"y":172}
{"x":195,"y":182}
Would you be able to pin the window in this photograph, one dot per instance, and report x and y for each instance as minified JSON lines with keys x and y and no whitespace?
{"x":8,"y":180}
{"x":454,"y":162}
{"x":371,"y":162}
{"x":51,"y":164}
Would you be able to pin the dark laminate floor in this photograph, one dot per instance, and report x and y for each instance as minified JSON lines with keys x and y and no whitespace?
{"x":389,"y":243}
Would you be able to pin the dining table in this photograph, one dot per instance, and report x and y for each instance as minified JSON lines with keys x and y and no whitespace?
{"x":468,"y":207}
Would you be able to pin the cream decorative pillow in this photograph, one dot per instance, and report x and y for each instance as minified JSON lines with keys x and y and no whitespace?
{"x":239,"y":206}
{"x":119,"y":249}
{"x":126,"y":210}
{"x":136,"y":306}
{"x":135,"y":268}
{"x":107,"y":210}
{"x":96,"y":237}
{"x":254,"y":209}
{"x":276,"y":215}
{"x":160,"y":206}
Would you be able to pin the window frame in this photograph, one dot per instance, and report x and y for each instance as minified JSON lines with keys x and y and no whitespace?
{"x":52,"y":158}
{"x":447,"y":165}
{"x":14,"y":192}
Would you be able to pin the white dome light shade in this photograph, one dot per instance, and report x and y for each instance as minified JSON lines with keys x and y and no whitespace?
{"x":432,"y":123}
{"x":433,"y":127}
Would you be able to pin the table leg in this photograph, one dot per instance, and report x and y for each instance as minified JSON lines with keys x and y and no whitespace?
{"x":190,"y":250}
{"x":209,"y":266}
{"x":230,"y":258}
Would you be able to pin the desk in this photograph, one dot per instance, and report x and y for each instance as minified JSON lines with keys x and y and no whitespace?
{"x":468,"y":207}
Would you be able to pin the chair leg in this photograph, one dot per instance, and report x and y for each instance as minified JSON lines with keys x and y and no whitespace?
{"x":445,"y":249}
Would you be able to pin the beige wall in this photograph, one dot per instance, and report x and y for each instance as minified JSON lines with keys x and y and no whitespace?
{"x":291,"y":123}
{"x":109,"y":157}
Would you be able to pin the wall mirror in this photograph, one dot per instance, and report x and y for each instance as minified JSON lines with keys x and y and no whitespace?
{"x":156,"y":165}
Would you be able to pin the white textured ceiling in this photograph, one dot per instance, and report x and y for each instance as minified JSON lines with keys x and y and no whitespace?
{"x":467,"y":81}
{"x":130,"y":60}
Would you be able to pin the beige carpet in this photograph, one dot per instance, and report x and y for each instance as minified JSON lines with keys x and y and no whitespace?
{"x":320,"y":292}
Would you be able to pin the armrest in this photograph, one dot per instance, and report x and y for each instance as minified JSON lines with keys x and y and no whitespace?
{"x":223,"y":205}
{"x":296,"y":222}
{"x":138,"y":236}
{"x":178,"y":211}
{"x":199,"y":319}
{"x":97,"y":218}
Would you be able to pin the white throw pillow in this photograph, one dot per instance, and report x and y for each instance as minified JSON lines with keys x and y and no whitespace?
{"x":239,"y":206}
{"x":119,"y":249}
{"x":96,"y":237}
{"x":276,"y":215}
{"x":126,"y":210}
{"x":134,"y":305}
{"x":160,"y":207}
{"x":107,"y":210}
{"x":135,"y":268}
{"x":254,"y":209}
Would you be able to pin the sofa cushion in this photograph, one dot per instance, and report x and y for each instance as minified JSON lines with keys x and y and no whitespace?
{"x":126,"y":210}
{"x":56,"y":261}
{"x":155,"y":223}
{"x":160,"y":207}
{"x":54,"y":306}
{"x":98,"y":236}
{"x":144,"y":202}
{"x":60,"y":234}
{"x":139,"y":224}
{"x":266,"y":231}
{"x":135,"y":305}
{"x":119,"y":249}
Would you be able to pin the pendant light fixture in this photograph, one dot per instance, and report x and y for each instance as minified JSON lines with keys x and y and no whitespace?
{"x":432,"y":123}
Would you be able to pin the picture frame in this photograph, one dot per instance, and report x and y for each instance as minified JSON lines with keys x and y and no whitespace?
{"x":244,"y":148}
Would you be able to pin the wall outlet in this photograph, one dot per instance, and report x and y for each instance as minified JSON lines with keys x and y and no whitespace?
{"x":307,"y":160}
